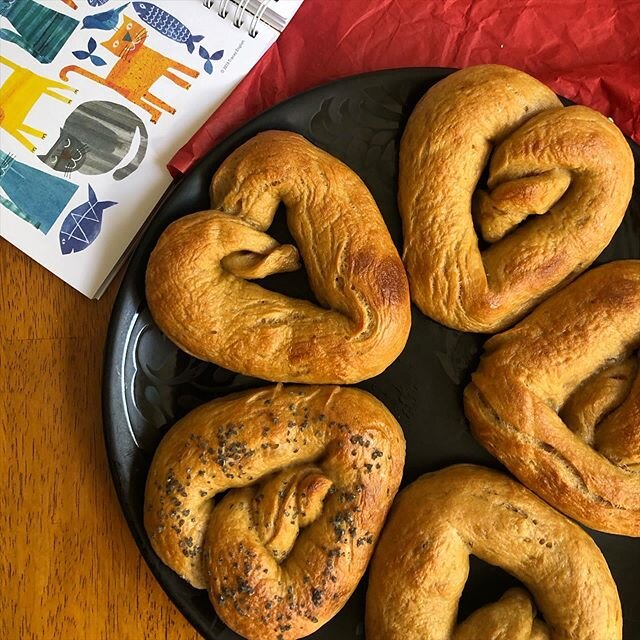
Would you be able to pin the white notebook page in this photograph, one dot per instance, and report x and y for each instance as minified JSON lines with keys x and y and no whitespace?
{"x":74,"y":217}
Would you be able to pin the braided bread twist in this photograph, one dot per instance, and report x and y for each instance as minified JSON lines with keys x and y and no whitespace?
{"x":567,"y":171}
{"x":557,"y":399}
{"x":312,"y":472}
{"x":197,"y":286}
{"x":421,"y":564}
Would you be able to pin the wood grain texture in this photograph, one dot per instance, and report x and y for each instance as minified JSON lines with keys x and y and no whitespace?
{"x":68,"y":565}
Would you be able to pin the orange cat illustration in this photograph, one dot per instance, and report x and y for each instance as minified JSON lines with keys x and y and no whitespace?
{"x":19,"y":93}
{"x":137,"y":69}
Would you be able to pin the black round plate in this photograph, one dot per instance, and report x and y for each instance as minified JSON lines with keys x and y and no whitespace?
{"x":149,"y":383}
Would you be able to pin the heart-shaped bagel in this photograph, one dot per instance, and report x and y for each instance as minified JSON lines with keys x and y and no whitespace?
{"x":421,"y":565}
{"x":197,"y":278}
{"x":311,"y":473}
{"x":565,"y":173}
{"x":557,"y":399}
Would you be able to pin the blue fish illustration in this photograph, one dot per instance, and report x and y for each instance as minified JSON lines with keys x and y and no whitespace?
{"x":105,"y":21}
{"x":97,"y":3}
{"x":166,"y":24}
{"x":82,"y":224}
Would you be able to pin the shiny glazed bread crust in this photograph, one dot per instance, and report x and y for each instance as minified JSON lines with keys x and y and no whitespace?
{"x":570,"y":169}
{"x":551,"y":402}
{"x":312,"y":472}
{"x":197,"y":280}
{"x":421,"y":564}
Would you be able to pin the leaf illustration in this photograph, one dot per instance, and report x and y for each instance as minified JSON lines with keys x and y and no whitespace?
{"x":92,"y":45}
{"x":98,"y":61}
{"x":217,"y":55}
{"x":208,"y":67}
{"x":81,"y":55}
{"x":203,"y":53}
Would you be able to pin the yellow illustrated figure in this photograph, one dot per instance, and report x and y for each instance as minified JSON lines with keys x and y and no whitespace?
{"x":18,"y":95}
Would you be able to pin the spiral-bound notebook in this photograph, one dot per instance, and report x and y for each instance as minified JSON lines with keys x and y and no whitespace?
{"x":97,"y":95}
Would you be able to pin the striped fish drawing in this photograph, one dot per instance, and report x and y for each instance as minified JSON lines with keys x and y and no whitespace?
{"x":166,"y":24}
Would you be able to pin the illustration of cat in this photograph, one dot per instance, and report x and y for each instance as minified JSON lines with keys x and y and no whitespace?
{"x":34,"y":195}
{"x":138,"y":68}
{"x":95,"y":138}
{"x":19,"y":94}
{"x":40,"y":30}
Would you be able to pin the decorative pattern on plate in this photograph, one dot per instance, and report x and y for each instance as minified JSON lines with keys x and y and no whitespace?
{"x":370,"y":121}
{"x":166,"y":383}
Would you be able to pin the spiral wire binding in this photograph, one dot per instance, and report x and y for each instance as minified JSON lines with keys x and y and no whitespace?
{"x":241,"y":7}
{"x":239,"y":14}
{"x":253,"y":27}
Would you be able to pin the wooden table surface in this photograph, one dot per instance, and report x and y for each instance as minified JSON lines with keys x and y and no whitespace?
{"x":68,"y":566}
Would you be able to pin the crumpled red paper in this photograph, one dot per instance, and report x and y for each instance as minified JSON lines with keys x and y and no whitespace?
{"x":588,"y":51}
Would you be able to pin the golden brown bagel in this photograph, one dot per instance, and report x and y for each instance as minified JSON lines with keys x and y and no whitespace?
{"x":421,"y":564}
{"x":529,"y":379}
{"x":570,"y":164}
{"x":320,"y":464}
{"x":197,"y":286}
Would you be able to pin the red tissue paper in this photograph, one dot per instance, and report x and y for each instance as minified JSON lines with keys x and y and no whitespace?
{"x":586,"y":50}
